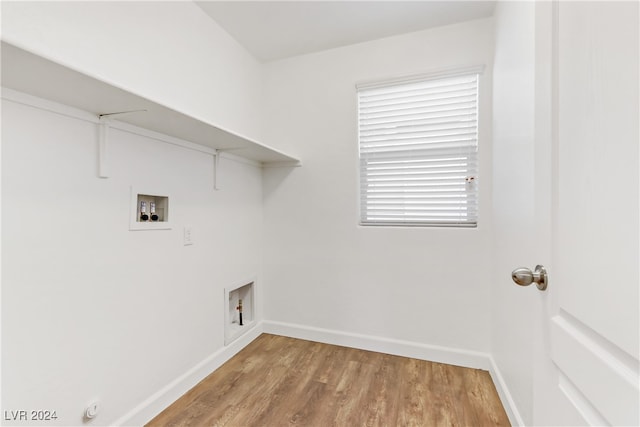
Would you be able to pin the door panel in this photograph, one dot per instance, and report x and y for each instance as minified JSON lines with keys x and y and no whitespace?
{"x":588,"y":363}
{"x":597,"y":179}
{"x":587,"y":369}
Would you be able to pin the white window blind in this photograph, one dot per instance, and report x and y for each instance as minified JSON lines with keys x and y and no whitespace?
{"x":418,"y":151}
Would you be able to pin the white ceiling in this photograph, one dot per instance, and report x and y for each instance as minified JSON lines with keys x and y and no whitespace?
{"x":273,"y":30}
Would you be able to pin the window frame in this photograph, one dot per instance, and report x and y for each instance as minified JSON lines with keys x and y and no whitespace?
{"x":470,"y":217}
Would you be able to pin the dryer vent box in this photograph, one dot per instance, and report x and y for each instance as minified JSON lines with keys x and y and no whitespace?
{"x":240,"y":311}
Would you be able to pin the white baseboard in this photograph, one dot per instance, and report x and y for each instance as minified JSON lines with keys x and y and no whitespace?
{"x":505,"y":396}
{"x":156,"y":403}
{"x":448,"y":355}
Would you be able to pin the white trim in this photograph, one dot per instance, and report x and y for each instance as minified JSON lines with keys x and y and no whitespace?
{"x":433,"y":353}
{"x":157,"y":402}
{"x":436,"y":73}
{"x":505,"y":395}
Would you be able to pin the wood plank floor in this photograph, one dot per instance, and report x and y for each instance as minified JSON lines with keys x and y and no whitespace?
{"x":278,"y":381}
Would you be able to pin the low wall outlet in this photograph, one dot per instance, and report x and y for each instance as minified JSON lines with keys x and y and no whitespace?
{"x":187,"y":235}
{"x":92,"y":410}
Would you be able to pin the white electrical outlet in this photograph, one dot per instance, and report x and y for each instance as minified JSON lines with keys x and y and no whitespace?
{"x":187,"y":235}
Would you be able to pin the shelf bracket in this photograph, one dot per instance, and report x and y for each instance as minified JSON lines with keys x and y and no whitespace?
{"x":103,"y":146}
{"x":216,"y":163}
{"x":103,"y":140}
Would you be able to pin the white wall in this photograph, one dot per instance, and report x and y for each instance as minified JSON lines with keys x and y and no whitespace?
{"x":424,"y":285}
{"x":120,"y":314}
{"x":169,"y":52}
{"x":513,"y":309}
{"x":89,"y":308}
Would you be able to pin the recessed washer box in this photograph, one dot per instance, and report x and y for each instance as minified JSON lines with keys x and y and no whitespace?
{"x":149,"y":210}
{"x":240,"y":295}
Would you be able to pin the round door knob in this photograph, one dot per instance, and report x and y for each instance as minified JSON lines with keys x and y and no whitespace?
{"x":524,"y":277}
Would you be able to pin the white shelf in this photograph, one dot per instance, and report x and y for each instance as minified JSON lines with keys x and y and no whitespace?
{"x":32,"y":74}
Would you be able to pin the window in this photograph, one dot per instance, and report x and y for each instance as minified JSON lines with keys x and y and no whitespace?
{"x":418,"y":143}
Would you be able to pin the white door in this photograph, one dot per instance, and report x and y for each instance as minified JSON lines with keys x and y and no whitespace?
{"x":586,"y":351}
